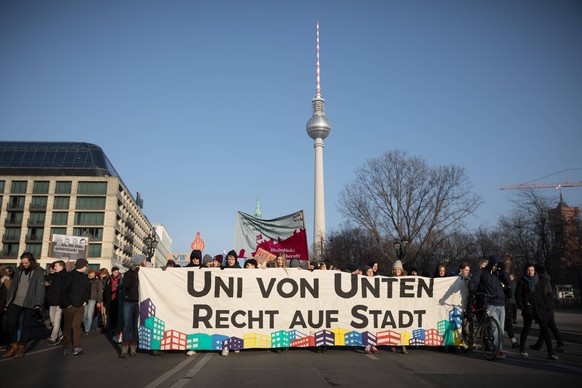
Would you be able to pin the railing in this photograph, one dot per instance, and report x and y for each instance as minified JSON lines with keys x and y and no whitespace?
{"x":33,"y":223}
{"x":12,"y":206}
{"x":10,"y":238}
{"x":33,"y":238}
{"x":12,"y":222}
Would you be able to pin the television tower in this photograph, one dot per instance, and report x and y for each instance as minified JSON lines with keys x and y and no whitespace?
{"x":318,"y":128}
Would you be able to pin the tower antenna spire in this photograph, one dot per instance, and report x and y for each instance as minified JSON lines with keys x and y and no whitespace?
{"x":317,"y":67}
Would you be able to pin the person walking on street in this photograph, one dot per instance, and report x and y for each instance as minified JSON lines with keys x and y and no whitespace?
{"x":95,"y":299}
{"x":54,"y":293}
{"x":561,"y":348}
{"x":25,"y":296}
{"x":490,"y":280}
{"x":75,"y":298}
{"x":535,"y":299}
{"x":111,"y":294}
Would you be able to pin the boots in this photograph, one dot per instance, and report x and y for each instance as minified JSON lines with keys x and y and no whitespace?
{"x":124,"y":350}
{"x":132,"y":350}
{"x":11,"y":350}
{"x":19,"y":351}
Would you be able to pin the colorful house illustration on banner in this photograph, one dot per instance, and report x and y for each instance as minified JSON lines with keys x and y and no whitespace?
{"x":218,"y":341}
{"x":173,"y":340}
{"x":146,"y":309}
{"x":295,"y":334}
{"x":339,"y":336}
{"x":388,"y":337}
{"x":432,"y":338}
{"x":304,"y":342}
{"x":198,"y":341}
{"x":233,"y":343}
{"x":353,"y":338}
{"x":280,"y":339}
{"x":324,"y":338}
{"x":255,"y":340}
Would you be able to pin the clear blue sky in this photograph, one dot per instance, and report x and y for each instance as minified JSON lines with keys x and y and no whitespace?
{"x":202,"y":105}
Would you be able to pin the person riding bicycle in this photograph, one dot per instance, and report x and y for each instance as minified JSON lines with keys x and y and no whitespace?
{"x":489,"y":281}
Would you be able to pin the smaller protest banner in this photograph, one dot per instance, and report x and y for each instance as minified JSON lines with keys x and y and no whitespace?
{"x":68,"y":247}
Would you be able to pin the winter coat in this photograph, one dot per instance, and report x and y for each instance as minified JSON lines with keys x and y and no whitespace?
{"x":487,"y":281}
{"x":543,"y":299}
{"x":131,"y":286}
{"x":54,"y":291}
{"x":75,"y":290}
{"x":96,"y":288}
{"x":524,"y":299}
{"x":538,"y":304}
{"x":36,"y":288}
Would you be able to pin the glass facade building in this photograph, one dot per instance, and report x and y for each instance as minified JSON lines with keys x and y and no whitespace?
{"x":66,"y":188}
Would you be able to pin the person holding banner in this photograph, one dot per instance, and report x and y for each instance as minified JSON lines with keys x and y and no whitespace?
{"x":217,"y":261}
{"x":369,"y":272}
{"x":374,"y":265}
{"x":231,"y":260}
{"x":398,"y":270}
{"x":195,"y":259}
{"x":468,"y":316}
{"x":131,"y":306}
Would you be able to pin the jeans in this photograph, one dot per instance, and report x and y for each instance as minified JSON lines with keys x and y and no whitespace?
{"x":55,"y":313}
{"x":130,"y":322}
{"x":498,"y":312}
{"x":88,"y":316}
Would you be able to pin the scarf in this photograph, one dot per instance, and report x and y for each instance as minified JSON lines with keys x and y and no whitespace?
{"x":532,"y":281}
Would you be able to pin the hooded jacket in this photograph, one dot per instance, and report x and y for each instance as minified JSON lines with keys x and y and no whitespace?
{"x":487,"y":281}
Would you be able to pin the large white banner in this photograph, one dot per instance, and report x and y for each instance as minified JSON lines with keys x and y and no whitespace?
{"x":208,"y":309}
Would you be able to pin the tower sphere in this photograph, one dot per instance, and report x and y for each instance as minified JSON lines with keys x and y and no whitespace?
{"x":318,"y":127}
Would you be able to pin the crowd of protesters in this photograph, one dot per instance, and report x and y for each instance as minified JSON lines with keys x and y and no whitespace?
{"x":77,"y":300}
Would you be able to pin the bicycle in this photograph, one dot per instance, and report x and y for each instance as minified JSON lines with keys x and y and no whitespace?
{"x":488,"y":333}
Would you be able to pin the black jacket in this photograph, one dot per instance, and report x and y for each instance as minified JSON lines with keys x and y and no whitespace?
{"x":75,"y":289}
{"x":131,"y":286}
{"x":490,"y":282}
{"x":54,"y":291}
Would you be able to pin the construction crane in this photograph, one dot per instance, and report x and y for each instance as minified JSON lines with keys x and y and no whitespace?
{"x":557,"y":185}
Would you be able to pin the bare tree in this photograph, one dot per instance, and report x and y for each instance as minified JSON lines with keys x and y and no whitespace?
{"x":352,"y":244}
{"x":397,"y":196}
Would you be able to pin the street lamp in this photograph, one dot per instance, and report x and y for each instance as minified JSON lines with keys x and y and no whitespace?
{"x":400,"y":248}
{"x":150,"y":245}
